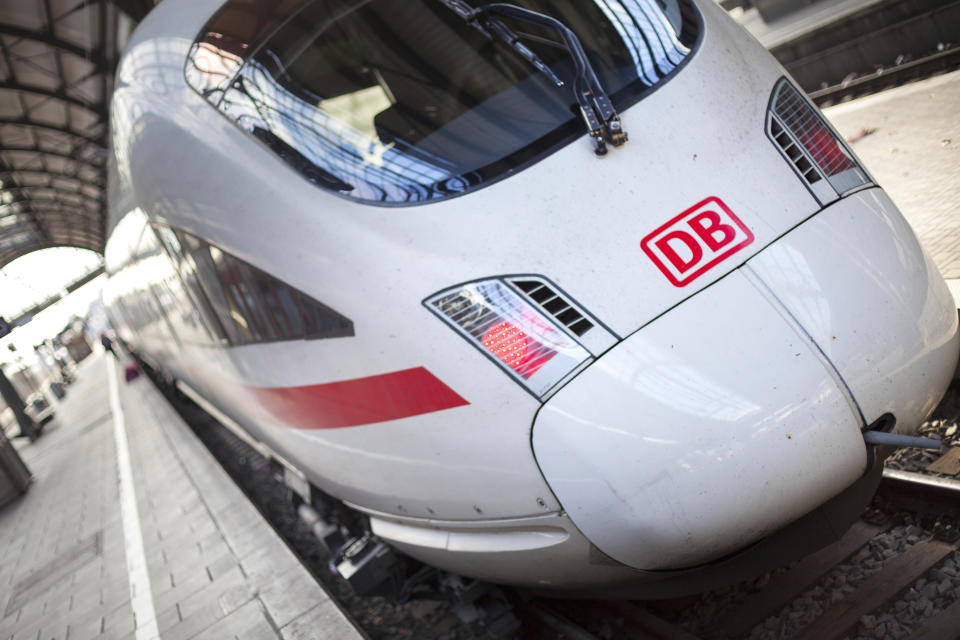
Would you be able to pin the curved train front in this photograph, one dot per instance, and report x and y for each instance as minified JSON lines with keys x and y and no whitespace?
{"x":642,"y":375}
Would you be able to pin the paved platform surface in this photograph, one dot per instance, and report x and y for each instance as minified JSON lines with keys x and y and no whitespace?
{"x":914,"y":153}
{"x":210,"y":566}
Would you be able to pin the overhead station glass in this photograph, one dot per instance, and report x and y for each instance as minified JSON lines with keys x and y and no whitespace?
{"x":402,"y":102}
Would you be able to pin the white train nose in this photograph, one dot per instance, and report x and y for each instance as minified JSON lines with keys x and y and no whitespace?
{"x":725,"y":419}
{"x":711,"y":427}
{"x":859,"y":283}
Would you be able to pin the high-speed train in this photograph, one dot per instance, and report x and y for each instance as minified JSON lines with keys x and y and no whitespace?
{"x":580,"y":296}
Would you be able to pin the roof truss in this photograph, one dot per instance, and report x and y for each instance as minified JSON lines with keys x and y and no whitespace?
{"x":57,"y":60}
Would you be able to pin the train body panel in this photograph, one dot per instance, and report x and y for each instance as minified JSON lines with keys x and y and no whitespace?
{"x":178,"y":141}
{"x":395,"y":413}
{"x":575,"y":210}
{"x":881,"y":290}
{"x":696,"y":432}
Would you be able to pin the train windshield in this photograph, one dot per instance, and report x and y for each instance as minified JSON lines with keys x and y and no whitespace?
{"x":403,"y":102}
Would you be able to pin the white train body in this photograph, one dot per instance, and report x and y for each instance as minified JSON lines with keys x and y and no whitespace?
{"x":746,"y":322}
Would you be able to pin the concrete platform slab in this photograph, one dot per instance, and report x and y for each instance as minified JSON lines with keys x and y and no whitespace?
{"x":68,"y":565}
{"x":909,"y":139}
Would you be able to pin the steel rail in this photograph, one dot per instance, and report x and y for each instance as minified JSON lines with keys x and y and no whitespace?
{"x":921,"y":492}
{"x":886,"y":78}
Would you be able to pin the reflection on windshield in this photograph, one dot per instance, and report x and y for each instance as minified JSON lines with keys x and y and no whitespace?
{"x":357,"y":110}
{"x":398,"y":101}
{"x":212,"y":68}
{"x":258,"y":101}
{"x":650,"y":39}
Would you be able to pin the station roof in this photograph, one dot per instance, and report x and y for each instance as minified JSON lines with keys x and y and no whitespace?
{"x":57,"y":61}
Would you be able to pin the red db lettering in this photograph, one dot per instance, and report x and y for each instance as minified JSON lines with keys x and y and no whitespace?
{"x":685,"y":239}
{"x":694,"y":242}
{"x":707,"y":233}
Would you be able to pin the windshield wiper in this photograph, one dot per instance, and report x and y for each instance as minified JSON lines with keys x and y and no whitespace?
{"x":598,"y":113}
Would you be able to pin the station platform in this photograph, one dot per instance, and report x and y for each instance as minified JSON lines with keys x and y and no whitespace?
{"x":132,"y":530}
{"x":909,"y":140}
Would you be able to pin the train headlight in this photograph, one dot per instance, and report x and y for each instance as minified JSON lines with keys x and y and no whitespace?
{"x":817,"y":154}
{"x":521,"y":339}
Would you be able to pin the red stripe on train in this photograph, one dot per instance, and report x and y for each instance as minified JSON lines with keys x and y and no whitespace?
{"x":348,"y":403}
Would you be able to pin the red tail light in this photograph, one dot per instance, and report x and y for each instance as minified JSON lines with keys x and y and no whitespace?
{"x":516,"y":349}
{"x":496,"y":319}
{"x":825,"y":150}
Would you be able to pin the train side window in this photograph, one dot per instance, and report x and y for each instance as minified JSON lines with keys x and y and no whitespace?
{"x":180,"y":308}
{"x":156,"y":304}
{"x":191,"y":283}
{"x":295,"y":314}
{"x":320,"y":321}
{"x":254,"y":306}
{"x":279,"y":304}
{"x":234,"y":323}
{"x":277,"y":311}
{"x":234,"y":277}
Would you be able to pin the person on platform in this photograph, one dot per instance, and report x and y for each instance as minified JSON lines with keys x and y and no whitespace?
{"x":107,"y":344}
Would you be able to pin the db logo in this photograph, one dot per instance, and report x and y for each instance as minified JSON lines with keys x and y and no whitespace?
{"x":696,"y":240}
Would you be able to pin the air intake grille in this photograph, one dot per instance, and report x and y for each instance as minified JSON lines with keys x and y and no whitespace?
{"x":810,"y":145}
{"x":793,"y":151}
{"x":555,"y":305}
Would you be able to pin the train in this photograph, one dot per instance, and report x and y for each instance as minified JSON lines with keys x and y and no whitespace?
{"x":586,"y":298}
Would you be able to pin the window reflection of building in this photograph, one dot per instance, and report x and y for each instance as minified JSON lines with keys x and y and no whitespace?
{"x":226,"y":40}
{"x":211,"y":69}
{"x":326,"y":139}
{"x":337,"y":141}
{"x":647,"y":35}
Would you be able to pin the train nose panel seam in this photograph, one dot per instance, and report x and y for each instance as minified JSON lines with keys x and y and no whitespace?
{"x":757,"y":282}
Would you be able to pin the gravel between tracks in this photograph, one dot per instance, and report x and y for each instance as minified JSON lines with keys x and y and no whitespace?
{"x":943,"y":425}
{"x":928,"y":596}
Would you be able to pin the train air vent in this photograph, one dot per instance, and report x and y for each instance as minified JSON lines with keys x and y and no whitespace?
{"x":817,"y":154}
{"x":554,"y":302}
{"x":551,"y":302}
{"x":792,"y":150}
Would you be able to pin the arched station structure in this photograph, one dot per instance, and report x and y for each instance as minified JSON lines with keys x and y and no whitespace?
{"x":57,"y":62}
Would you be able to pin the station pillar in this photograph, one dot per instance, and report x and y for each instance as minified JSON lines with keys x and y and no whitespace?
{"x":28,"y":427}
{"x":15,"y":477}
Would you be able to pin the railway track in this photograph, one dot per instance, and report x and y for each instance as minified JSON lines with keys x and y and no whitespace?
{"x":884,"y":44}
{"x":892,"y":574}
{"x":887,"y":78}
{"x":877,"y":34}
